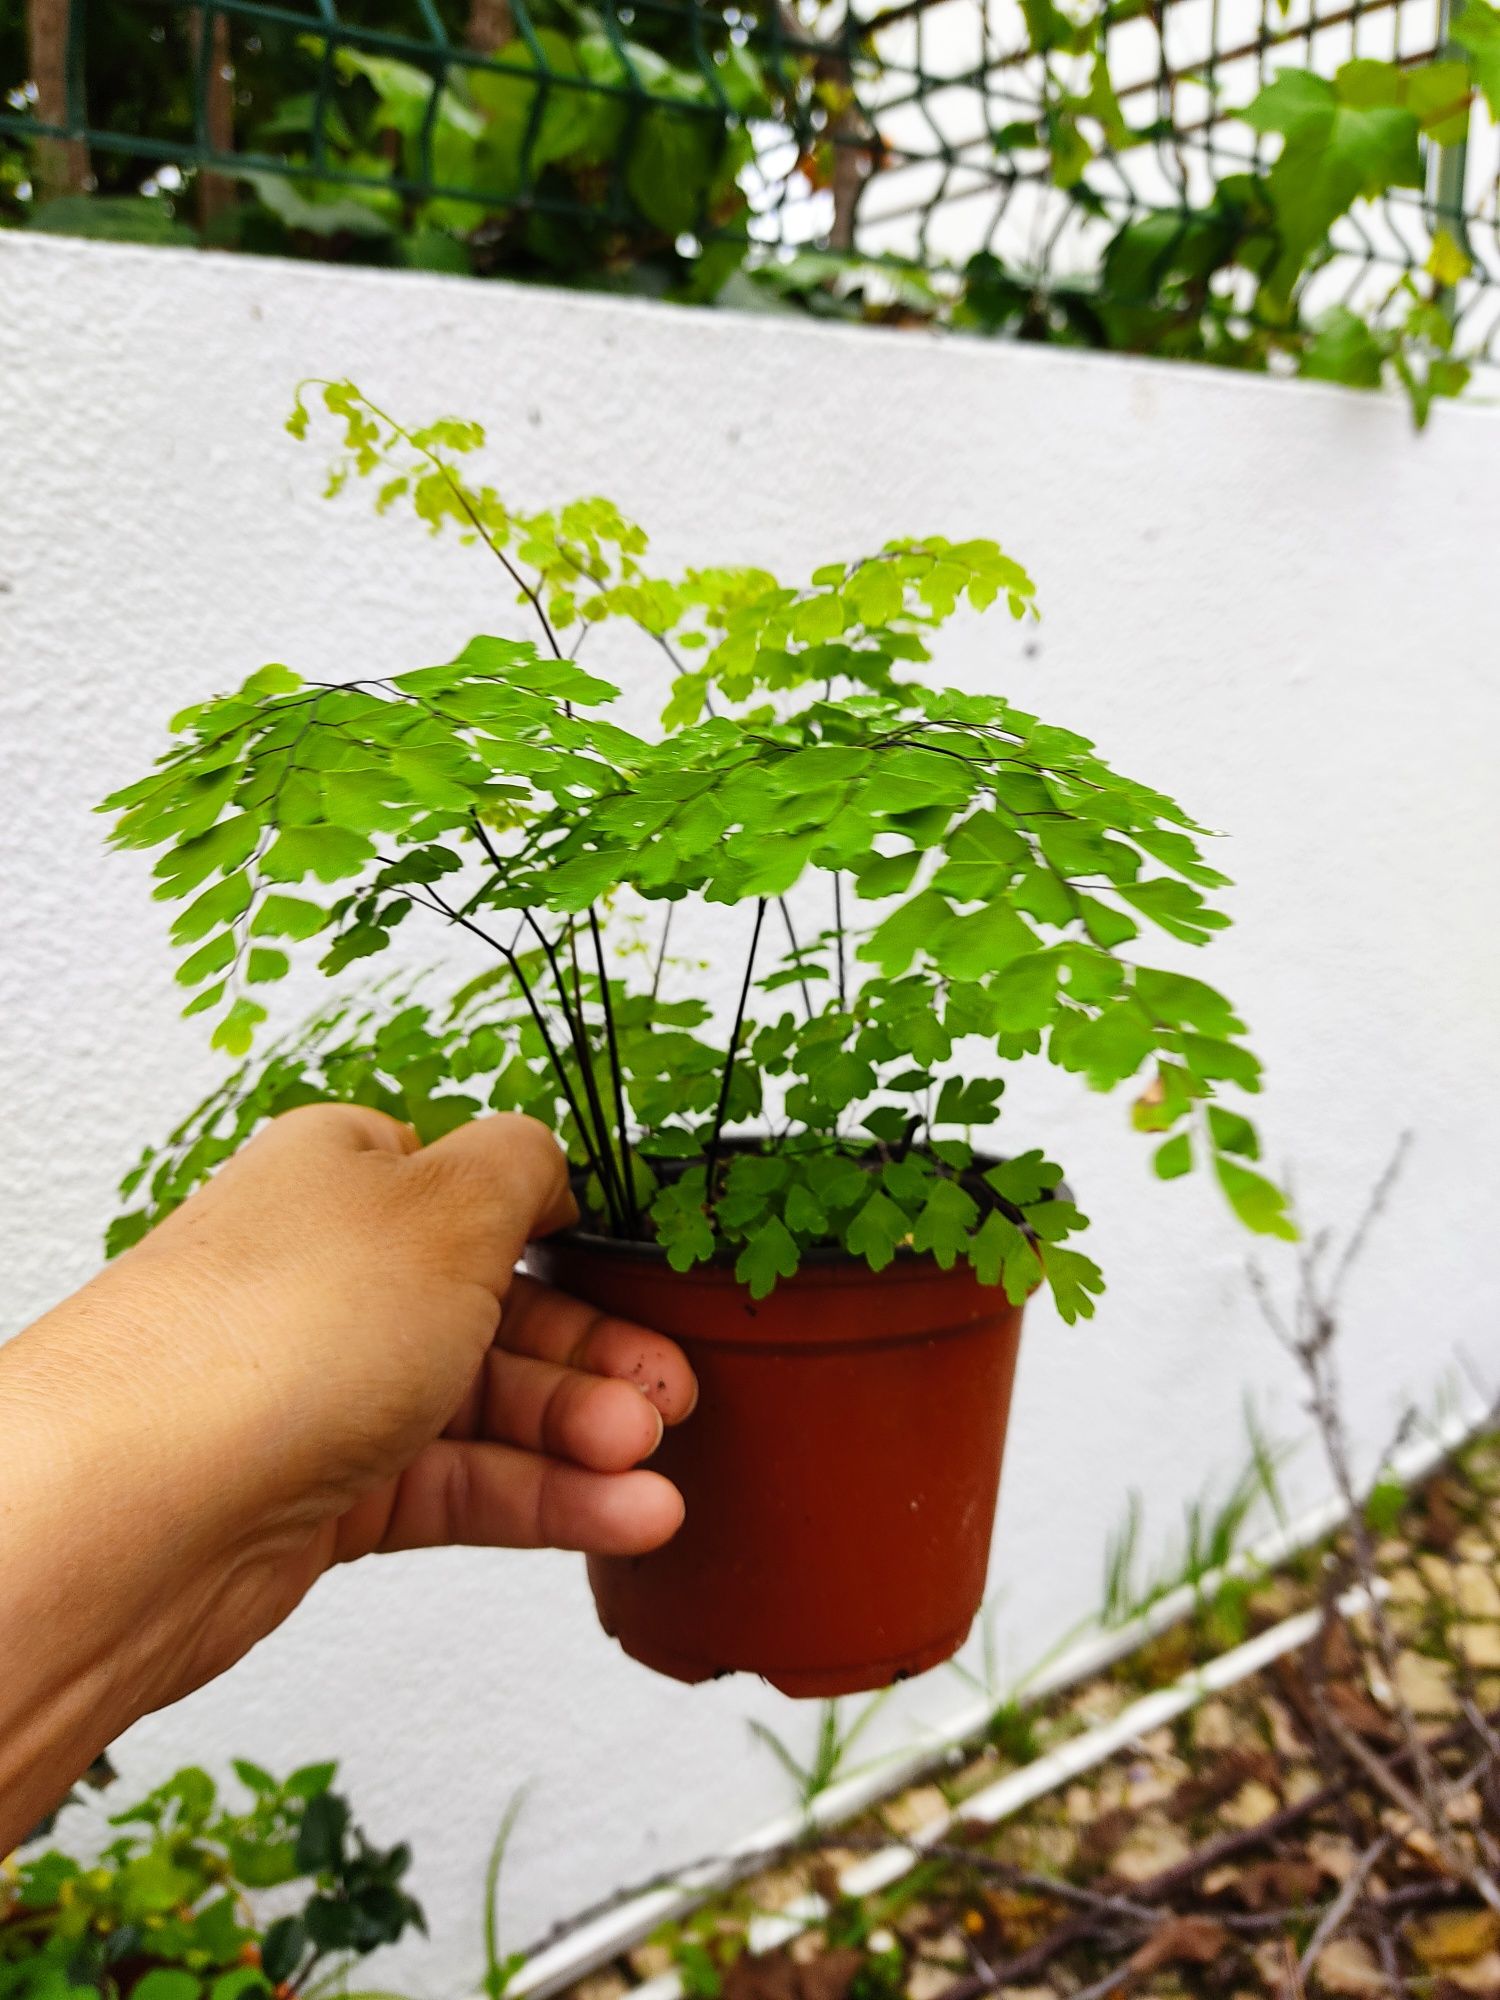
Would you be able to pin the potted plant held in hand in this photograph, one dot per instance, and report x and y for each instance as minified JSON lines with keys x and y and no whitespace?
{"x":792,"y":1170}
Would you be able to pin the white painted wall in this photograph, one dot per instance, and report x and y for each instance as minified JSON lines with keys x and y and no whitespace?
{"x":1274,"y":599}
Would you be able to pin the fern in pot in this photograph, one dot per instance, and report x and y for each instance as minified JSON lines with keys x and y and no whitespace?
{"x":802,"y":1185}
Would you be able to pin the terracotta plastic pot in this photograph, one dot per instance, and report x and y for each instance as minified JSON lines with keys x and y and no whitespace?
{"x":840,"y":1470}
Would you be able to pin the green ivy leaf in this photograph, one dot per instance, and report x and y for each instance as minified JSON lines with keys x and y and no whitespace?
{"x":1475,"y":26}
{"x":1342,"y":139}
{"x":239,"y":1984}
{"x":669,"y":168}
{"x":1344,"y":348}
{"x":254,"y":1776}
{"x":321,"y":1836}
{"x":311,"y":1781}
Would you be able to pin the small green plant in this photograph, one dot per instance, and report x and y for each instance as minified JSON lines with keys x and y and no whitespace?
{"x":883,"y":1973}
{"x":500,"y":1967}
{"x":1010,"y":1727}
{"x":1012,"y":1731}
{"x":871,"y":1924}
{"x":833,"y":1743}
{"x":1004,"y":865}
{"x":699,"y":1966}
{"x":165,"y":1913}
{"x":1385,"y":1503}
{"x":1213,"y":1537}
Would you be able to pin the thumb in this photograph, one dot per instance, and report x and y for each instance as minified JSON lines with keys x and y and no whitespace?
{"x":502,"y":1181}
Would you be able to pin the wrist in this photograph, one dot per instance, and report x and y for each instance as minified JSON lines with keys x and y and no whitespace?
{"x":154,"y":1401}
{"x":108,"y":1552}
{"x":103,"y":1442}
{"x":67,"y":1649}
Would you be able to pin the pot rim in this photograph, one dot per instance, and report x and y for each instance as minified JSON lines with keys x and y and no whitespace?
{"x":826,"y":1256}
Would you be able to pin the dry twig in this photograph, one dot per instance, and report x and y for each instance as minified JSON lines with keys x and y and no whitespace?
{"x":1309,"y":1333}
{"x":1344,"y":1901}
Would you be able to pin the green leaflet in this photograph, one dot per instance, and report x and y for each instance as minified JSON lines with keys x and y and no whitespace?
{"x":1258,"y":1203}
{"x":944,"y":1222}
{"x":770,"y":1253}
{"x":876,"y":1231}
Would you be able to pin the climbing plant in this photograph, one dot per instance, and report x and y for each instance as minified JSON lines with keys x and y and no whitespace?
{"x":1233,"y":278}
{"x":731,"y":154}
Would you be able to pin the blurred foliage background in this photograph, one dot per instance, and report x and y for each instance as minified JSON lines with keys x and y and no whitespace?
{"x":1299,"y":185}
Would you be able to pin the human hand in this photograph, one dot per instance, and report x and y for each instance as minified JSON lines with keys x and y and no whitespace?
{"x":302,"y":1366}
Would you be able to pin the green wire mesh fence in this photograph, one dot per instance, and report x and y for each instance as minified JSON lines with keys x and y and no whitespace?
{"x":1020,"y":159}
{"x":965,"y":172}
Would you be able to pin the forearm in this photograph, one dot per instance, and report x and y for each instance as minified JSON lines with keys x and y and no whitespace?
{"x":60,"y":1669}
{"x":98,"y":1553}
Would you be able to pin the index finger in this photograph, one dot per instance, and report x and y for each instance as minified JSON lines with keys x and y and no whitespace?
{"x":550,"y":1326}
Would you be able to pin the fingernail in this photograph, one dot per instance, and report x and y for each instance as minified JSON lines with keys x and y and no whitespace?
{"x":661,"y":1428}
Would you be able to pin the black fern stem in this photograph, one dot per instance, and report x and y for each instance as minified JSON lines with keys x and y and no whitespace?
{"x":617,"y":1077}
{"x":601,"y":1156}
{"x":573,"y":967}
{"x":838,"y":926}
{"x":578,"y":1030}
{"x":712,"y":1158}
{"x":460,"y":493}
{"x":661,"y":952}
{"x":786,"y":918}
{"x":454,"y":916}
